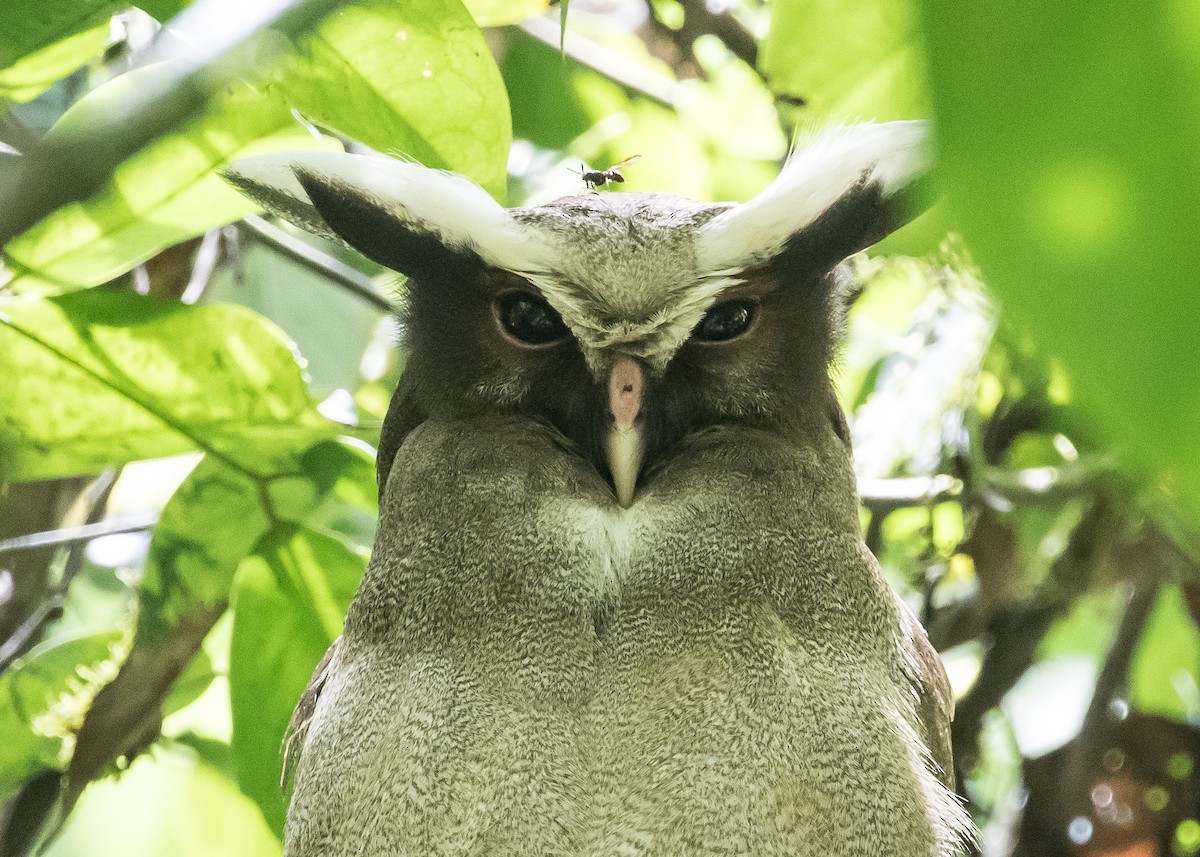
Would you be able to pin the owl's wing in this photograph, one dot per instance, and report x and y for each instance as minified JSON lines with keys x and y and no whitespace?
{"x":297,"y":728}
{"x":935,"y":699}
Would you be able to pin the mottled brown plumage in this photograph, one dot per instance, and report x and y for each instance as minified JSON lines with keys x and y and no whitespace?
{"x":540,"y":662}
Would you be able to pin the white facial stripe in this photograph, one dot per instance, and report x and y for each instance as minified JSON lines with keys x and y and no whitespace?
{"x":457,"y":210}
{"x":655,"y":339}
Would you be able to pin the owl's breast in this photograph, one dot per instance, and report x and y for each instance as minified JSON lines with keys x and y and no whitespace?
{"x":529,"y":668}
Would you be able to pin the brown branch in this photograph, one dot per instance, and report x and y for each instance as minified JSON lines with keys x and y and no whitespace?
{"x":1016,"y":631}
{"x":699,"y":20}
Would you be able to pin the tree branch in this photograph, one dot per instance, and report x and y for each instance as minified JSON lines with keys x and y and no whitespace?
{"x":600,"y":59}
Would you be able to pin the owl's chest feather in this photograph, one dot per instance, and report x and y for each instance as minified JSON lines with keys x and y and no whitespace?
{"x":529,"y":669}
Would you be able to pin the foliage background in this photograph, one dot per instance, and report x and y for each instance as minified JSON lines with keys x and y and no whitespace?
{"x":191,"y":392}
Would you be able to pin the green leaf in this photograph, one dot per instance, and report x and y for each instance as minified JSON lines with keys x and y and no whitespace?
{"x":344,"y":475}
{"x":211,"y":523}
{"x":1164,"y":678}
{"x":289,"y":600}
{"x":40,"y":701}
{"x":32,"y":75}
{"x":415,"y":79}
{"x":161,"y":196}
{"x":102,"y":378}
{"x":500,"y":13}
{"x":546,"y":108}
{"x":32,"y":26}
{"x":846,"y":60}
{"x":1066,"y":144}
{"x":169,"y":802}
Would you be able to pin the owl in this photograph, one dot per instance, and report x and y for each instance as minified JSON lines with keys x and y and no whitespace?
{"x":619,"y":604}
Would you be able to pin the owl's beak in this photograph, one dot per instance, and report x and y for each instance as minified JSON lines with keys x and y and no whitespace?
{"x":624,"y":446}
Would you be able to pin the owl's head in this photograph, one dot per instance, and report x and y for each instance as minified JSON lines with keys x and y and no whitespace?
{"x":627,"y":321}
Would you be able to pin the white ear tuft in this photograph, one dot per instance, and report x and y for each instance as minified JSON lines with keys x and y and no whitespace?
{"x":446,"y":206}
{"x":886,"y":157}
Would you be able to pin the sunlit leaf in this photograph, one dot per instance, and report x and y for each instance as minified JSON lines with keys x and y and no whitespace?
{"x":1066,"y":144}
{"x":165,"y":194}
{"x":213,"y":520}
{"x":32,"y":26}
{"x":498,"y":13}
{"x":36,"y":712}
{"x":101,"y":378}
{"x":1164,"y":677}
{"x":846,"y":61}
{"x":344,"y":476}
{"x":414,"y":79}
{"x":289,"y":599}
{"x":34,"y":74}
{"x":167,"y":803}
{"x":732,"y":108}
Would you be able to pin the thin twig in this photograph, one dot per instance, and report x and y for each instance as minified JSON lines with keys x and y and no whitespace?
{"x":327,"y":266}
{"x":95,"y":497}
{"x":207,"y":256}
{"x":1017,"y":631}
{"x":887,"y":495}
{"x":83,"y":533}
{"x":600,"y":59}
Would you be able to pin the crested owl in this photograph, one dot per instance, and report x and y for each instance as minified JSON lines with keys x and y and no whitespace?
{"x":619,"y":604}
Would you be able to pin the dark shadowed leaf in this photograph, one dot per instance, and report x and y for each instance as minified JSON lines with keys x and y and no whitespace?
{"x":32,"y":27}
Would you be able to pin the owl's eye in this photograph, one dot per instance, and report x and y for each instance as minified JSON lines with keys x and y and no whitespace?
{"x":529,"y":319}
{"x":725,"y":321}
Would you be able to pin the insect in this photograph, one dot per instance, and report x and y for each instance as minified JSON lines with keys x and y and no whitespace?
{"x":598,"y":178}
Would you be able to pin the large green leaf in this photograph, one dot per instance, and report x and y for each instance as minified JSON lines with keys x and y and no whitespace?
{"x":846,"y":60}
{"x":167,"y":803}
{"x":415,"y":79}
{"x":216,"y":518}
{"x":45,"y":40}
{"x":289,"y":600}
{"x":211,"y":523}
{"x":101,"y":378}
{"x":165,"y":194}
{"x":32,"y":26}
{"x":30,"y":76}
{"x":498,"y":13}
{"x":1067,"y":144}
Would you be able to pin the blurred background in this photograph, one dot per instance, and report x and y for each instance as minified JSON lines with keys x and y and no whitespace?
{"x":190,"y":393}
